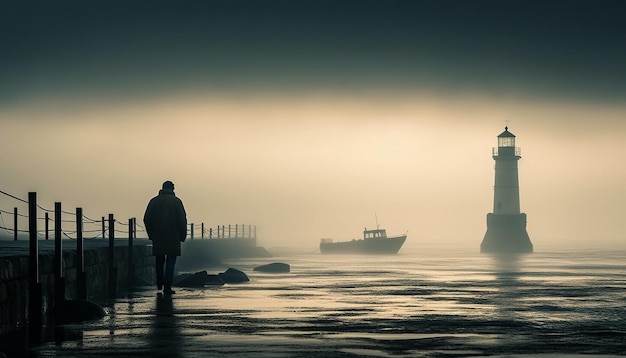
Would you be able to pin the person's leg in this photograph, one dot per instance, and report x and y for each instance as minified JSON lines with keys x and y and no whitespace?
{"x":170,"y":262}
{"x":160,"y":261}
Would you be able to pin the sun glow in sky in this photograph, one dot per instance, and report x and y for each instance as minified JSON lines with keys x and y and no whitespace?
{"x":302,"y":167}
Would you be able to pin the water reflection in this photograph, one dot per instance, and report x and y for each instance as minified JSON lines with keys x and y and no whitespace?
{"x":506,"y":268}
{"x":164,"y":336}
{"x":164,"y":305}
{"x":112,"y":322}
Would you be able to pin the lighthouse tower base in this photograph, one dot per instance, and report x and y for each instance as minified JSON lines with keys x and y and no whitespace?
{"x":506,"y":234}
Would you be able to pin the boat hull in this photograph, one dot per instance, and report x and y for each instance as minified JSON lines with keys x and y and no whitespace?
{"x":384,"y":246}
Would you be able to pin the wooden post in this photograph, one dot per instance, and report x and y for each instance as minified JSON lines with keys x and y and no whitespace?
{"x":81,"y":284}
{"x":14,"y":224}
{"x":34,"y":291}
{"x":202,"y":231}
{"x":103,"y":229}
{"x":192,"y":231}
{"x":131,"y":269}
{"x":229,"y":231}
{"x":59,"y":282}
{"x":236,"y":230}
{"x":47,"y":220}
{"x":210,"y":233}
{"x":112,"y":271}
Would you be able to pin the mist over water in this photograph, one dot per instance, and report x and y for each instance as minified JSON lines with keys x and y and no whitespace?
{"x":303,"y":168}
{"x":308,"y":118}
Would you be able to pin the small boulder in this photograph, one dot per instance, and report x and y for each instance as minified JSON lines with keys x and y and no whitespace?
{"x":275,"y":267}
{"x":233,"y":276}
{"x":197,"y":279}
{"x":214,"y":280}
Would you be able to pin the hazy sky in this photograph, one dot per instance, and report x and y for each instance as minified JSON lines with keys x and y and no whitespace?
{"x":308,"y":118}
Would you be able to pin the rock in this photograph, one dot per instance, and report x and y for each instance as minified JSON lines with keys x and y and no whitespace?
{"x":214,"y":280}
{"x":233,"y":276}
{"x":80,"y":310}
{"x":197,"y":279}
{"x":275,"y":267}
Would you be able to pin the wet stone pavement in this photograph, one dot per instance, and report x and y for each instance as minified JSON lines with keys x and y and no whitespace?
{"x":181,"y":325}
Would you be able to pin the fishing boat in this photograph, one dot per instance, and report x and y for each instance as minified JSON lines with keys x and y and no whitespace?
{"x":373,"y":242}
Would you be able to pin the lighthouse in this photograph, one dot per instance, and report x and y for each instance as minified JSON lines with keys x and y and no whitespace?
{"x":506,"y":225}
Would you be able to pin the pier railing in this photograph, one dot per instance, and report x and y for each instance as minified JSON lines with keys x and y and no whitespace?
{"x":14,"y":221}
{"x":237,"y":231}
{"x":517,"y":151}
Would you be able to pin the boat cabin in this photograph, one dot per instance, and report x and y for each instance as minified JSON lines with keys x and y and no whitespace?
{"x":374,"y":234}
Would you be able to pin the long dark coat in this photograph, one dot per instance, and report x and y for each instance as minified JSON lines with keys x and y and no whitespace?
{"x":166,"y":223}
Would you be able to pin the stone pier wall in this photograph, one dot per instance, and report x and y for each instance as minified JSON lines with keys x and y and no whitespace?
{"x":14,"y":281}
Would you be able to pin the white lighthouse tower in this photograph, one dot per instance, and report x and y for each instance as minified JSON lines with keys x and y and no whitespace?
{"x":506,"y":226}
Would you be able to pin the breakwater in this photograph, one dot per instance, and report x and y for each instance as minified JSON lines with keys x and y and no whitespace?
{"x":198,"y":254}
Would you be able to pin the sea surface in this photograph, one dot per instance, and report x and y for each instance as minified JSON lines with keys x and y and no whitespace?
{"x":414,"y":304}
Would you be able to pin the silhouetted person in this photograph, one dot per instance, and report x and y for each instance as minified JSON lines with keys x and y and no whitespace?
{"x":166,"y":224}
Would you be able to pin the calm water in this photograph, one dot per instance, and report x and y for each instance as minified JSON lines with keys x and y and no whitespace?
{"x":409,"y":305}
